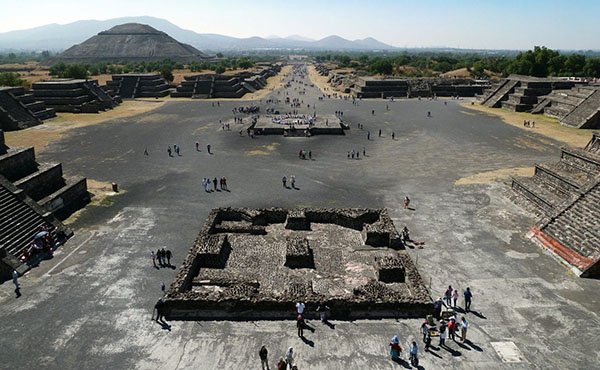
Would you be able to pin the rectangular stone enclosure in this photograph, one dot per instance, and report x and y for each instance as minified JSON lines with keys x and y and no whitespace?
{"x":257,"y":263}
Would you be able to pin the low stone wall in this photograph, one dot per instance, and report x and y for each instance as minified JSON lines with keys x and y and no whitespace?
{"x":18,"y":163}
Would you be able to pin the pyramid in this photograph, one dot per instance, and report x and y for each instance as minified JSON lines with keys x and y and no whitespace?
{"x":130,"y":42}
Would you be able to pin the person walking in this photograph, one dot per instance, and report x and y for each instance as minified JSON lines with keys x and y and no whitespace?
{"x":293,"y":181}
{"x":215,"y":183}
{"x":379,"y":132}
{"x":169,"y":151}
{"x":468,"y":298}
{"x":208,"y":148}
{"x":168,"y":254}
{"x":437,"y":308}
{"x":424,"y":330}
{"x":406,"y":202}
{"x":146,"y":151}
{"x":300,"y":325}
{"x":263,"y":357}
{"x":198,"y":145}
{"x":15,"y":277}
{"x":395,"y":348}
{"x":162,"y":287}
{"x":464,"y":325}
{"x":413,"y":354}
{"x":322,"y":310}
{"x":159,"y":308}
{"x":284,"y":181}
{"x":300,"y":307}
{"x":448,"y":295}
{"x":393,"y":135}
{"x":368,"y":135}
{"x":289,"y":357}
{"x":454,"y":297}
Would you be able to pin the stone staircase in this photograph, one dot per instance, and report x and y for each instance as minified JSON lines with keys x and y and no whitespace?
{"x":586,"y":114}
{"x":567,"y":196}
{"x":138,"y":85}
{"x":20,"y":220}
{"x":14,"y":115}
{"x":501,"y":93}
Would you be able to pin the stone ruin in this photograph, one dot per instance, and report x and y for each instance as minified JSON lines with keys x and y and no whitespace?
{"x":573,"y":102}
{"x":31,"y":195}
{"x":208,"y":86}
{"x":138,"y":85}
{"x":566,"y":195}
{"x":257,"y":263}
{"x":369,"y":87}
{"x":19,"y":109}
{"x":322,"y":125}
{"x":74,"y":95}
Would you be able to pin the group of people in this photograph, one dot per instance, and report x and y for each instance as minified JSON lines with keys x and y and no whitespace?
{"x":42,"y":242}
{"x":162,"y":258}
{"x":355,"y":153}
{"x":302,"y":154}
{"x":292,"y":181}
{"x":246,"y":109}
{"x":294,"y":119}
{"x":527,"y":123}
{"x":211,"y":185}
{"x":396,"y":350}
{"x":284,"y":362}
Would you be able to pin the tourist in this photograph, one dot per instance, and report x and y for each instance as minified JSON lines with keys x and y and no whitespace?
{"x":452,"y":328}
{"x":405,"y":235}
{"x":289,"y":357}
{"x":159,"y":257}
{"x":448,"y":295}
{"x":373,"y":112}
{"x":15,"y":276}
{"x":393,"y":135}
{"x":468,"y":298}
{"x":464,"y":325}
{"x":413,"y":354}
{"x":146,"y":151}
{"x":352,"y":153}
{"x":215,"y":183}
{"x":310,"y":154}
{"x":300,"y":325}
{"x":455,"y":297}
{"x":162,"y":287}
{"x":379,"y":132}
{"x":293,"y":181}
{"x":322,"y":310}
{"x":406,"y":202}
{"x":177,"y":150}
{"x":281,"y":364}
{"x":395,"y":348}
{"x":284,"y":181}
{"x":153,"y":258}
{"x":533,"y":124}
{"x":443,"y":333}
{"x":300,"y":307}
{"x":357,"y":154}
{"x":224,"y":183}
{"x":428,"y":341}
{"x":428,"y":114}
{"x":208,"y":149}
{"x":168,"y":254}
{"x":159,"y":308}
{"x":364,"y":152}
{"x":424,"y":330}
{"x":263,"y":357}
{"x":437,"y":308}
{"x":169,"y":151}
{"x":198,"y":145}
{"x":368,"y":135}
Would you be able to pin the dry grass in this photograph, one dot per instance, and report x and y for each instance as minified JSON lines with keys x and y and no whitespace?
{"x":549,"y":127}
{"x":496,"y":176}
{"x":56,"y":128}
{"x":321,"y":82}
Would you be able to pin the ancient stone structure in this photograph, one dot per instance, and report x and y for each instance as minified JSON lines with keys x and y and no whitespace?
{"x":567,"y":196}
{"x":369,"y":87}
{"x":20,"y":215}
{"x":138,"y":85}
{"x":578,"y":107}
{"x":74,"y":95}
{"x":43,"y":183}
{"x":208,"y":86}
{"x":257,"y":263}
{"x":297,"y":126}
{"x":130,"y":42}
{"x":19,"y":110}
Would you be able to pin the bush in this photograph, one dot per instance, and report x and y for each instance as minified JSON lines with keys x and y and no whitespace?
{"x":12,"y":79}
{"x":220,"y":69}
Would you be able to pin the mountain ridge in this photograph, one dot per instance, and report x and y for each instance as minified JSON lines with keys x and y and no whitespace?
{"x":56,"y":37}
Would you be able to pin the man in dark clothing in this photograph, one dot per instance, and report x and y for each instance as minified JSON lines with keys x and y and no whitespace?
{"x":159,"y":308}
{"x":160,"y":256}
{"x":168,"y":255}
{"x":468,"y":298}
{"x":300,"y":324}
{"x":263,"y":357}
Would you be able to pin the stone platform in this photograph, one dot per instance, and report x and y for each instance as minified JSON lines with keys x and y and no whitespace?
{"x":257,"y":263}
{"x":276,"y":124}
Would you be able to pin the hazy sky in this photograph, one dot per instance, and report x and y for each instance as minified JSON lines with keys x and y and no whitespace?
{"x":510,"y":24}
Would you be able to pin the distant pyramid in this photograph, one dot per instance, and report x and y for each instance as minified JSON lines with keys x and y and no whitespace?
{"x":130,"y":42}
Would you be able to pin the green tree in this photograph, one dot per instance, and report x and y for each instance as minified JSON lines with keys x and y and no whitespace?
{"x":219,"y":55}
{"x":574,"y":65}
{"x":220,"y":69}
{"x":11,"y":79}
{"x":382,"y":66}
{"x":592,"y":67}
{"x":167,"y":73}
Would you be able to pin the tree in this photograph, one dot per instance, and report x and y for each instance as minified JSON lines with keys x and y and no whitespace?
{"x":478,"y":69}
{"x":167,"y":73}
{"x":574,"y":65}
{"x":220,"y":69}
{"x":11,"y":79}
{"x":382,"y":66}
{"x":592,"y":67}
{"x":219,"y":55}
{"x":245,"y":63}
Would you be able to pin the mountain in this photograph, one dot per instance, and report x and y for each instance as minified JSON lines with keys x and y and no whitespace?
{"x":56,"y":37}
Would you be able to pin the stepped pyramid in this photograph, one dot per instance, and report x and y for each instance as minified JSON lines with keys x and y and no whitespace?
{"x":566,"y":195}
{"x":19,"y":109}
{"x":130,"y":42}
